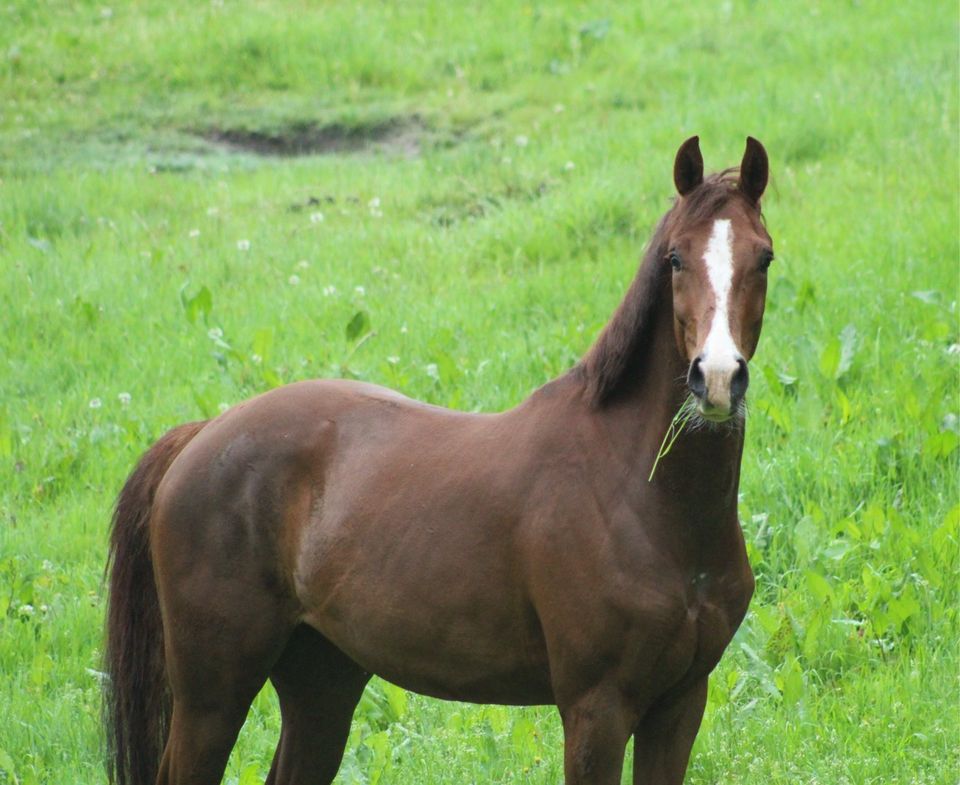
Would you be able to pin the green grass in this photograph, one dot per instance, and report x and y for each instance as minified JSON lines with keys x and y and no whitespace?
{"x":485,"y":268}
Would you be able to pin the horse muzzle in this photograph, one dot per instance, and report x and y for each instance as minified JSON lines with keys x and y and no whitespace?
{"x":719,"y":387}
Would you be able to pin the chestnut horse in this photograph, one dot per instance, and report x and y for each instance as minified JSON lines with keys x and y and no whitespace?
{"x":329,"y":530}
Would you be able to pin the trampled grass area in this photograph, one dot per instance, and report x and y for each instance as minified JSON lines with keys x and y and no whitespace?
{"x":491,"y":173}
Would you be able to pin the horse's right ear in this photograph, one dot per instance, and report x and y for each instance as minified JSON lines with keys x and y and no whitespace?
{"x":688,"y":167}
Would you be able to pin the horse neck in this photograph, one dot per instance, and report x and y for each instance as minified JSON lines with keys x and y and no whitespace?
{"x":635,"y":404}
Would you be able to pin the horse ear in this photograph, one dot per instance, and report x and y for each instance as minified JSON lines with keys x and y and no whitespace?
{"x":688,"y":166}
{"x":754,"y":170}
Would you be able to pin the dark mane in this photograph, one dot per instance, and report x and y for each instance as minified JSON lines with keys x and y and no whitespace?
{"x":617,"y":356}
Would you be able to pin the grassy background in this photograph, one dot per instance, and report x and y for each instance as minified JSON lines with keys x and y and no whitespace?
{"x":151,"y":276}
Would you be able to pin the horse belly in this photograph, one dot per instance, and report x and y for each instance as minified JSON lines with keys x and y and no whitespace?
{"x":518,"y":686}
{"x":433,"y":609}
{"x":423,"y":649}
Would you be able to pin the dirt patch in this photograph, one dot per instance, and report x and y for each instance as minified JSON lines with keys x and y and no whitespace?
{"x":399,"y":136}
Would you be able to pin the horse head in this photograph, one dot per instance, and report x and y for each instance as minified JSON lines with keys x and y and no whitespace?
{"x":719,"y":252}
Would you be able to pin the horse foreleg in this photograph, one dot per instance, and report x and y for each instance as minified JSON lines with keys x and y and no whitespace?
{"x":319,"y":688}
{"x":665,"y":735}
{"x":596,"y":728}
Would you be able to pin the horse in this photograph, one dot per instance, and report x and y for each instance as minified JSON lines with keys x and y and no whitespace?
{"x":329,"y":530}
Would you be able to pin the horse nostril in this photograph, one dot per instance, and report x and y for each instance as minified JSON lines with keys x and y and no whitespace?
{"x":695,"y":380}
{"x":739,"y":382}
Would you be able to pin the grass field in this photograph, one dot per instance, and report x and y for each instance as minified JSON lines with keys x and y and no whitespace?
{"x":482,"y":180}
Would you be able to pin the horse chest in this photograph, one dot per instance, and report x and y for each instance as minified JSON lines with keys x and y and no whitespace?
{"x":716,"y":618}
{"x":714,"y":607}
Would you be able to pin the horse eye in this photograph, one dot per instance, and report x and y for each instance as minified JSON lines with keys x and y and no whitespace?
{"x":675,"y":261}
{"x":765,"y":261}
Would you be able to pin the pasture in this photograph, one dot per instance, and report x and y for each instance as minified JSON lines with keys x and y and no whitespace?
{"x":199,"y":202}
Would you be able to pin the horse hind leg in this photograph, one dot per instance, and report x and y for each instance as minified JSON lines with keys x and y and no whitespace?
{"x":200,"y":741}
{"x":220,"y":645}
{"x":319,"y":688}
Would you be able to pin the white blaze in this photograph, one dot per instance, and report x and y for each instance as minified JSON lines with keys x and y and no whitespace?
{"x":720,"y":353}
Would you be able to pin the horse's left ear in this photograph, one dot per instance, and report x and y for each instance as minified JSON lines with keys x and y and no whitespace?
{"x":754,"y":170}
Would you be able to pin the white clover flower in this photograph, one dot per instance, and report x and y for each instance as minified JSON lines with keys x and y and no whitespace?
{"x":303,"y":264}
{"x":95,"y":403}
{"x":393,"y":359}
{"x":124,"y":398}
{"x":194,"y":233}
{"x":432,"y":371}
{"x":569,"y":166}
{"x":520,"y":140}
{"x":360,"y":290}
{"x":403,"y":329}
{"x":329,"y":291}
{"x":47,"y":565}
{"x":294,"y":280}
{"x":243,"y":245}
{"x":256,"y":359}
{"x":374,"y":203}
{"x":26,"y":610}
{"x":316,"y":218}
{"x":223,"y":406}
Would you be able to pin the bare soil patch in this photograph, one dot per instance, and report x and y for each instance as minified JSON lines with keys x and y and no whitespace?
{"x":398,"y":136}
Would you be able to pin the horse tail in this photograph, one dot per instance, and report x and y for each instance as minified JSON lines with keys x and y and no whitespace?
{"x":137,"y":703}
